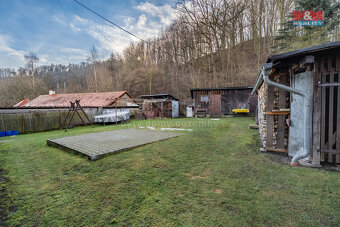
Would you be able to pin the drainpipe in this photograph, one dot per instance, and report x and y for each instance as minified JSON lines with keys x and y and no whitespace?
{"x":265,"y":72}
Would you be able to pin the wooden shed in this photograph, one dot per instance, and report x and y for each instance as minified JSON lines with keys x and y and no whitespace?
{"x":160,"y":105}
{"x":221,"y":101}
{"x":282,"y":116}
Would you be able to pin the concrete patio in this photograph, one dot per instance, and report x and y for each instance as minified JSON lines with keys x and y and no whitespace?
{"x":96,"y":145}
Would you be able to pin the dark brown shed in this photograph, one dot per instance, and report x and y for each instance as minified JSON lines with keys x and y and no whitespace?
{"x":221,"y":101}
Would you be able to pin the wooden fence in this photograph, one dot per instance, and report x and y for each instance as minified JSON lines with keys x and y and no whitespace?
{"x":38,"y":120}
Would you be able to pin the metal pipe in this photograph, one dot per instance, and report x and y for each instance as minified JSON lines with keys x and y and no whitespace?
{"x":265,"y":72}
{"x":258,"y":83}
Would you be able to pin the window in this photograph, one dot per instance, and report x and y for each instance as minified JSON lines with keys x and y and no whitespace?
{"x":204,"y":99}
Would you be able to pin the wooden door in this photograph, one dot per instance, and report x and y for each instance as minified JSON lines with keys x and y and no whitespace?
{"x":215,"y":104}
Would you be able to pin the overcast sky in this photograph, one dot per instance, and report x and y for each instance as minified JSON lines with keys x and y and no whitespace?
{"x":62,"y":32}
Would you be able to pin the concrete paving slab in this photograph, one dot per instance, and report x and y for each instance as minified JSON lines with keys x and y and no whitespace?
{"x":96,"y":145}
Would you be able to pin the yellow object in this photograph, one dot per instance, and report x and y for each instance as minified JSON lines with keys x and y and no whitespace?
{"x":240,"y":110}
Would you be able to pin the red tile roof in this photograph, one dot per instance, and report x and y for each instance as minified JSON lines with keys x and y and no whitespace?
{"x":103,"y":99}
{"x":21,"y":103}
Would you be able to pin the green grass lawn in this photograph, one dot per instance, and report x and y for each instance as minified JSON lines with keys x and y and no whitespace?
{"x":212,"y":176}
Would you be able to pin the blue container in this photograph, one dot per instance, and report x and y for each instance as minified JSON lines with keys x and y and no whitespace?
{"x":2,"y":134}
{"x":8,"y":133}
{"x":15,"y":133}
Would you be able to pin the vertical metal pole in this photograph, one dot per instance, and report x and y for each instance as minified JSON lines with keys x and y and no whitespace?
{"x":116,"y":115}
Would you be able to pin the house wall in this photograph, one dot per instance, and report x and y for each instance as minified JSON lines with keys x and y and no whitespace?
{"x":124,"y":100}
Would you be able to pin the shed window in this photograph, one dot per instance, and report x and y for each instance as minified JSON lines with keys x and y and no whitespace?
{"x":204,"y":98}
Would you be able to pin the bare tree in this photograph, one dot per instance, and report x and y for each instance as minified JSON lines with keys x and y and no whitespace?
{"x":93,"y":59}
{"x":31,"y":59}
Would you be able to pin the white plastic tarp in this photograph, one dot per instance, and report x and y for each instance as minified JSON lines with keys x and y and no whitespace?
{"x":112,"y":116}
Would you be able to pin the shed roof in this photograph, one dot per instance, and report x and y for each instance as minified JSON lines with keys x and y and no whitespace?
{"x":296,"y":53}
{"x":220,"y":88}
{"x":158,"y":96}
{"x":103,"y":99}
{"x":303,"y":51}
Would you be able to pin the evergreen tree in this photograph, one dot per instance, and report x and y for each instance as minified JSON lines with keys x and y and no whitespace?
{"x":291,"y":37}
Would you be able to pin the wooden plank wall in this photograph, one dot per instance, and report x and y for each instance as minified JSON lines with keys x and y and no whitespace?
{"x":232,"y":96}
{"x":330,"y":109}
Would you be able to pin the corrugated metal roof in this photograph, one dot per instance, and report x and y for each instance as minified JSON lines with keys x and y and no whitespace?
{"x":103,"y":99}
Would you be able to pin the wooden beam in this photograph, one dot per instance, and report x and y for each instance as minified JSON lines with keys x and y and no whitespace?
{"x":276,"y":150}
{"x":323,"y":109}
{"x":329,"y":85}
{"x":330,"y":151}
{"x":281,"y":123}
{"x":316,"y":114}
{"x":270,"y":119}
{"x":278,"y":112}
{"x":331,"y":139}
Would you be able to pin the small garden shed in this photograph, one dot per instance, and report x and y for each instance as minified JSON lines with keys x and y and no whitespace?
{"x":160,"y":105}
{"x":221,"y":101}
{"x":299,"y":104}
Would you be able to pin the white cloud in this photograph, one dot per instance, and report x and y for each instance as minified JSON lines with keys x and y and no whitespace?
{"x":74,"y":28}
{"x":13,"y":57}
{"x":73,"y":51}
{"x":59,"y":19}
{"x":141,"y":21}
{"x":165,"y":13}
{"x":148,"y":25}
{"x":43,"y":59}
{"x":80,"y":20}
{"x":65,"y":56}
